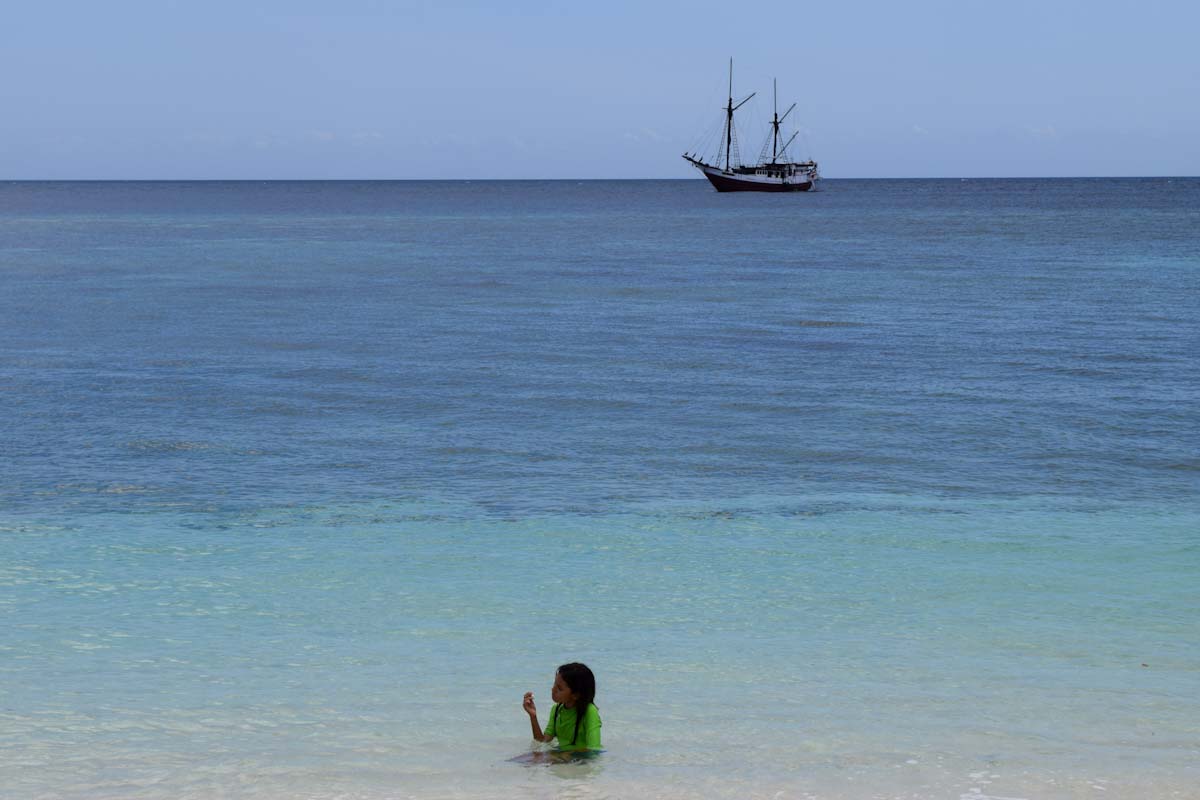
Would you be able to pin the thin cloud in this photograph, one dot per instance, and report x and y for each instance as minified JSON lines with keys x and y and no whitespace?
{"x":365,"y":137}
{"x":1044,"y":132}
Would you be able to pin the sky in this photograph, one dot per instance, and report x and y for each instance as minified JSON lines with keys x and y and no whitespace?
{"x":367,"y":89}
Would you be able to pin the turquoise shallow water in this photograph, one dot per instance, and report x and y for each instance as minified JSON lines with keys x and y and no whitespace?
{"x":841,"y":646}
{"x":305,"y":484}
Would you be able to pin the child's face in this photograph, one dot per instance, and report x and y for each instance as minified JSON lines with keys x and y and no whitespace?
{"x":561,"y":693}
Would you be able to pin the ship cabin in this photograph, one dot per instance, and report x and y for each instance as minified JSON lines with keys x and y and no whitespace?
{"x":778,"y":171}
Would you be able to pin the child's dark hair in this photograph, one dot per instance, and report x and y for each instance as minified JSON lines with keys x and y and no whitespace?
{"x":582,"y":683}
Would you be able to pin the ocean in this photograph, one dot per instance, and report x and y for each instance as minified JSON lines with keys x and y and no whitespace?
{"x":890,"y":490}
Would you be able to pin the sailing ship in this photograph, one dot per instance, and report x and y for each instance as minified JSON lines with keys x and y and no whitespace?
{"x":778,"y":174}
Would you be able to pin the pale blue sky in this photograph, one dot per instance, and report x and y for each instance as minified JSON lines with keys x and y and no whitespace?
{"x":362,"y":89}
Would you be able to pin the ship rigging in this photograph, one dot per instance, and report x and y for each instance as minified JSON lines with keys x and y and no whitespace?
{"x":778,"y":174}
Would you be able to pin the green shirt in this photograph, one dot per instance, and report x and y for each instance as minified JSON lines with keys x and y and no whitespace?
{"x":562,"y":727}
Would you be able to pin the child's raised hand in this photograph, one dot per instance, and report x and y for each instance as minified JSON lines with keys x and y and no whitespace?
{"x":528,"y":705}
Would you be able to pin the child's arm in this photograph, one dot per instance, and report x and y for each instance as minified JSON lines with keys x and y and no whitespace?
{"x":531,"y":710}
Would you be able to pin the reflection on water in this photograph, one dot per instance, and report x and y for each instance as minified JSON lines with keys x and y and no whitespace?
{"x":575,"y":758}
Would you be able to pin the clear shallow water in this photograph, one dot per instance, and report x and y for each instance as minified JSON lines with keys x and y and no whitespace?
{"x":886,"y":491}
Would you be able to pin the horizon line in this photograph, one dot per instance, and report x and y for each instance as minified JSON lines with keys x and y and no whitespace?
{"x":581,"y":180}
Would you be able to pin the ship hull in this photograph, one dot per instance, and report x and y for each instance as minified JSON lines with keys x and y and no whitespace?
{"x":735,"y":182}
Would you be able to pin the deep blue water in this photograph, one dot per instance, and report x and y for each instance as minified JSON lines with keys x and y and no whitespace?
{"x":303,"y":484}
{"x":533,"y":345}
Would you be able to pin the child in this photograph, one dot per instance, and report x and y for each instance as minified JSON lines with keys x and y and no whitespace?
{"x":574,"y":720}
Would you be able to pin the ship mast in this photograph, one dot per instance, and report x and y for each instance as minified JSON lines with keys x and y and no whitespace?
{"x":729,"y":117}
{"x":729,"y":109}
{"x":777,"y":121}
